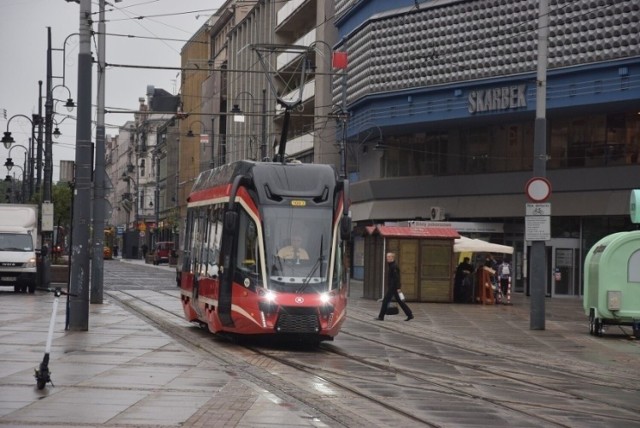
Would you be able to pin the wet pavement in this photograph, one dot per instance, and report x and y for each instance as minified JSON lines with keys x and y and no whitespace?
{"x":126,"y":372}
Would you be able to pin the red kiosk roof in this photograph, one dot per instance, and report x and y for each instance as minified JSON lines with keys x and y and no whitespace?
{"x":414,"y":232}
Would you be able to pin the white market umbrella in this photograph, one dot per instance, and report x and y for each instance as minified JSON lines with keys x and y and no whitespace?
{"x":468,"y":245}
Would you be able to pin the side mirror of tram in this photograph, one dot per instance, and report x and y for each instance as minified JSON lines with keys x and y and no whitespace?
{"x":345,"y":228}
{"x":230,"y":221}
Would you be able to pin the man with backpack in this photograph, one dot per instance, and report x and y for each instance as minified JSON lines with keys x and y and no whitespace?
{"x":504,"y":275}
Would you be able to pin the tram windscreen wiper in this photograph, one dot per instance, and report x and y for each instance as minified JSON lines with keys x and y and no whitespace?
{"x":315,"y":267}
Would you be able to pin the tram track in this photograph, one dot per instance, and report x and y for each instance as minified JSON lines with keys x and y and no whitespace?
{"x":484,"y":377}
{"x":239,"y":362}
{"x":450,"y":385}
{"x":588,"y":373}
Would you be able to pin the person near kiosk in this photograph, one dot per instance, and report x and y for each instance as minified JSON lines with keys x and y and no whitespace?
{"x":393,"y":289}
{"x":503,"y":272}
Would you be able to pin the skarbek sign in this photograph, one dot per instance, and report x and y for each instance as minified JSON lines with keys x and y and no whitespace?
{"x":494,"y":99}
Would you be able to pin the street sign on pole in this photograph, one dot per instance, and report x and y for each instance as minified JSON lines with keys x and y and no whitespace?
{"x":538,"y":189}
{"x":537,"y":222}
{"x":537,"y":228}
{"x":47,"y":217}
{"x":538,"y":209}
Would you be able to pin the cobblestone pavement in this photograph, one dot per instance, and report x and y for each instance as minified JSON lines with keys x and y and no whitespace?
{"x":126,"y":372}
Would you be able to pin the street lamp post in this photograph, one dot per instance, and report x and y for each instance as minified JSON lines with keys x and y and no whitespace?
{"x":8,"y":140}
{"x":48,"y":125}
{"x":19,"y":199}
{"x":26,"y":186}
{"x":203,"y":131}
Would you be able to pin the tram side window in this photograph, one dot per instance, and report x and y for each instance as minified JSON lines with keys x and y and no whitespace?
{"x":199,"y":233}
{"x":212,"y":252}
{"x":188,"y":241}
{"x":338,"y":271}
{"x":248,"y":257}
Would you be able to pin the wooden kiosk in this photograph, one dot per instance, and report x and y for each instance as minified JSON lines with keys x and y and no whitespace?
{"x":425,"y":257}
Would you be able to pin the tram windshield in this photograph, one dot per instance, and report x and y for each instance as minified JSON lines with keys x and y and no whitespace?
{"x":298,"y":244}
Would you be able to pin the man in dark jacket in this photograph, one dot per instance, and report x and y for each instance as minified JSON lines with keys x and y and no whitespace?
{"x":460,"y":293}
{"x":393,"y":288}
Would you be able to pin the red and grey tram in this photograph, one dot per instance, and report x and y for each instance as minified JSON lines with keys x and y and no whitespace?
{"x":263,"y":250}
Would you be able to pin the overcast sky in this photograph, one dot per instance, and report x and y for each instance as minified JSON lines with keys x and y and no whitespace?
{"x":23,"y":50}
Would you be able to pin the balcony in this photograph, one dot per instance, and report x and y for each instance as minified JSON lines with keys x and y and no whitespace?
{"x":287,"y":59}
{"x":295,"y":15}
{"x":300,"y":144}
{"x":308,"y":93}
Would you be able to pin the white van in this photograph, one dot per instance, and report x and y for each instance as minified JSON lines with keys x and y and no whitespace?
{"x":18,"y":242}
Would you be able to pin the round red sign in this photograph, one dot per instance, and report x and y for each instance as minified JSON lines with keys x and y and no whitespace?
{"x":538,"y":189}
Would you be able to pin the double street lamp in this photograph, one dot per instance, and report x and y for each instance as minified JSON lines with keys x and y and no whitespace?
{"x":9,"y":141}
{"x":69,"y":104}
{"x":11,"y":195}
{"x":203,"y":132}
{"x":25,"y":173}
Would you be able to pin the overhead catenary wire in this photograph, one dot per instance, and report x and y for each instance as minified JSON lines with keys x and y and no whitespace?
{"x":227,"y":70}
{"x":166,"y":39}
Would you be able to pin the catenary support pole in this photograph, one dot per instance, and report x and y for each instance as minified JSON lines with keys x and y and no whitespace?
{"x":538,"y":270}
{"x":212,"y":163}
{"x":40,"y":140}
{"x":263,"y":144}
{"x":47,"y":235}
{"x":79,"y":277}
{"x":97,"y":259}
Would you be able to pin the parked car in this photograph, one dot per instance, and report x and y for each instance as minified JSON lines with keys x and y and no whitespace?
{"x":162,"y":252}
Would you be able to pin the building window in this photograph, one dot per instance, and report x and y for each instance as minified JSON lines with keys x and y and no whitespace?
{"x":598,"y":140}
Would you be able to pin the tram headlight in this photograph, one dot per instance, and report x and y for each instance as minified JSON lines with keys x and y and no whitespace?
{"x":265,"y":294}
{"x":270,"y":296}
{"x":325,"y":298}
{"x":267,"y":303}
{"x":326,"y":308}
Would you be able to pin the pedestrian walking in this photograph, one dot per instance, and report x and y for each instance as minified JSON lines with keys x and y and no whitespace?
{"x":461,"y":293}
{"x":393,"y":289}
{"x":145,"y":249}
{"x":504,"y":275}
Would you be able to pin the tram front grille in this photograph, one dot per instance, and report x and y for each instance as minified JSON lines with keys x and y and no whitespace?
{"x":297,"y":320}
